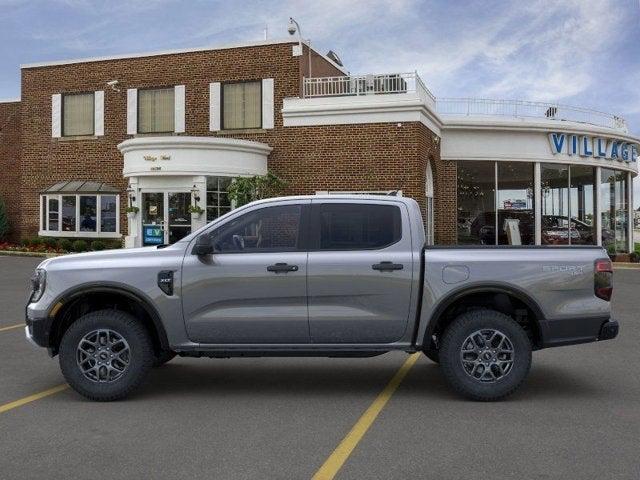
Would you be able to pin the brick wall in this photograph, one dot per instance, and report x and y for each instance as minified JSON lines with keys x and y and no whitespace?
{"x":45,"y":160}
{"x":9,"y":160}
{"x":337,"y":157}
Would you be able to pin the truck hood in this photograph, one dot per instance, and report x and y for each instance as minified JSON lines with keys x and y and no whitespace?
{"x":105,"y":255}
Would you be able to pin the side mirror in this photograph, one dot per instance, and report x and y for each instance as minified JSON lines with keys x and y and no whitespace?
{"x":203,"y":246}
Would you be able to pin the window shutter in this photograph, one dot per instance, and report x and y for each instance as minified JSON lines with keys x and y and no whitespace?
{"x":132,"y":111}
{"x":98,"y":112}
{"x":179,"y":99}
{"x":56,"y":115}
{"x":215,"y":112}
{"x":267,"y":103}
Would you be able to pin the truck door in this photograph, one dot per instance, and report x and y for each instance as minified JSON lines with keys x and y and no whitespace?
{"x":359,"y":271}
{"x":253,"y":288}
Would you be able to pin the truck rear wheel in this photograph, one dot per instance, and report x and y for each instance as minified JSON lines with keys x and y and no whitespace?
{"x":485,"y":355}
{"x":105,"y":355}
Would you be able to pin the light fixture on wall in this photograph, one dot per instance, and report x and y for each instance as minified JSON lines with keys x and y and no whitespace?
{"x":292,"y":29}
{"x":132,"y":194}
{"x":195,"y":192}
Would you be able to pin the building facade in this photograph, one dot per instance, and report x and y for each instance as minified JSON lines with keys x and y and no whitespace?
{"x":121,"y":147}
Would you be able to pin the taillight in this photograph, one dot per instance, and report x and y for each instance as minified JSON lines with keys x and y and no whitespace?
{"x":603,"y":279}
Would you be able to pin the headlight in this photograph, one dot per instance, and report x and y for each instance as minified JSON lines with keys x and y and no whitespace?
{"x":38,"y":284}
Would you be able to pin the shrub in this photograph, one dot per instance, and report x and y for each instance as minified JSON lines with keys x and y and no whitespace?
{"x":36,"y":241}
{"x":79,"y":246}
{"x":25,"y":242}
{"x":634,"y":257}
{"x":50,"y":242}
{"x":115,"y":244}
{"x":65,"y":244}
{"x":97,"y":245}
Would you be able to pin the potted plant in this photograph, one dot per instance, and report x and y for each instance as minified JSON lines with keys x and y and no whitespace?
{"x":132,"y":211}
{"x":195,"y":211}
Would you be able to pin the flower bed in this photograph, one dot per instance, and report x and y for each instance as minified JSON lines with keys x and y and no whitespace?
{"x":49,"y":245}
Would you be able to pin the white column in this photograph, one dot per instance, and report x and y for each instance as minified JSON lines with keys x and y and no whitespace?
{"x":200,"y":182}
{"x":630,"y":212}
{"x":179,"y":108}
{"x":537,"y":202}
{"x":598,"y":218}
{"x":132,"y":239}
{"x":56,"y":115}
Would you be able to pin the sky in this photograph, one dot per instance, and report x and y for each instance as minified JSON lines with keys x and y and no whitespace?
{"x":577,"y":52}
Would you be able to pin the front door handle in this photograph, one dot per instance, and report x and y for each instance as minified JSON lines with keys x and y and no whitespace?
{"x":282,"y":267}
{"x":387,"y":266}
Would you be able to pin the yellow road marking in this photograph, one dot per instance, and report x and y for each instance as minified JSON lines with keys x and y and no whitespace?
{"x":334,"y":463}
{"x":32,"y":398}
{"x":4,"y":329}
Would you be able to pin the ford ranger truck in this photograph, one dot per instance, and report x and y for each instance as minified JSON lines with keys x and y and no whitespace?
{"x":333,"y":276}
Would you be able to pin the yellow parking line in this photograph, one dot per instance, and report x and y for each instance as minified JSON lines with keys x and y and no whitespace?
{"x":32,"y":398}
{"x":4,"y":329}
{"x":334,"y":463}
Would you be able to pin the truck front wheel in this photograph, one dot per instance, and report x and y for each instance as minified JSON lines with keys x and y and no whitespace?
{"x":485,"y":355}
{"x":105,"y":355}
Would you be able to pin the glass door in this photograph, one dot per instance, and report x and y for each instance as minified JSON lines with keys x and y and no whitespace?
{"x":179,"y":220}
{"x":165,"y":217}
{"x":153,"y":221}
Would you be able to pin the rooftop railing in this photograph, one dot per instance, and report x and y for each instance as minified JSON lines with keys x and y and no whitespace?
{"x":526,"y":109}
{"x":356,"y":85}
{"x":399,"y":83}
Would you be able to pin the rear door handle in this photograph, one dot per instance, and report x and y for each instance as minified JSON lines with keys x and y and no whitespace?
{"x":387,"y":266}
{"x":282,"y":267}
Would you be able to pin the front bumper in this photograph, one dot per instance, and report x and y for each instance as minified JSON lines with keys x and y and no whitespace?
{"x":572,"y":331}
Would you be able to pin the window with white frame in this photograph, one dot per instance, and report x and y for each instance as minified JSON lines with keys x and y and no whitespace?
{"x":156,"y":110}
{"x":241,"y":105}
{"x":218,"y":202}
{"x":79,"y":215}
{"x":78,"y":114}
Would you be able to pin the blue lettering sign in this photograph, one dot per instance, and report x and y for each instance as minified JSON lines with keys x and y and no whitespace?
{"x":614,"y":150}
{"x":624,"y":151}
{"x":573,"y":146}
{"x":557,"y":142}
{"x":586,"y":147}
{"x":601,"y":147}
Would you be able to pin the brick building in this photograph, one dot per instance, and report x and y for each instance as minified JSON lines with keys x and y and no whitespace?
{"x":163,"y":131}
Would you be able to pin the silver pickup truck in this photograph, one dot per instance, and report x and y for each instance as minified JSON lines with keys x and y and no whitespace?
{"x":336,"y":276}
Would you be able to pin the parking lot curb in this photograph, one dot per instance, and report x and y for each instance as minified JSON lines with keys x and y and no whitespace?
{"x":11,"y":253}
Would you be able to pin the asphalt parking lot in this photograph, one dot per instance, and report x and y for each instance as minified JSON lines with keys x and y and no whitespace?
{"x":578,"y":416}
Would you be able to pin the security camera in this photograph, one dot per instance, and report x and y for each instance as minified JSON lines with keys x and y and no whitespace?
{"x":292,"y":27}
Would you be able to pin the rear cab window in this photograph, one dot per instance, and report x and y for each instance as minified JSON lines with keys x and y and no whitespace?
{"x":355,"y":226}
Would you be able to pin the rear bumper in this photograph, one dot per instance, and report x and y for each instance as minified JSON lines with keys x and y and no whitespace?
{"x":572,"y":331}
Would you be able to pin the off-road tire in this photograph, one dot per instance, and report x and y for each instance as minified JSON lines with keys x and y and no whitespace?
{"x":140,"y":358}
{"x":452,"y":344}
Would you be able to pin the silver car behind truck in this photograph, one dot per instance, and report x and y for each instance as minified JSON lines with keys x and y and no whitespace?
{"x":317,"y":275}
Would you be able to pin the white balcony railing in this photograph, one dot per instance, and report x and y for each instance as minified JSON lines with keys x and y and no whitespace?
{"x":400,"y":83}
{"x":526,"y":109}
{"x":356,"y":85}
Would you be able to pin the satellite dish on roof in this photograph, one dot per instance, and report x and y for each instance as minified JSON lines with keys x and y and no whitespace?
{"x":334,"y":56}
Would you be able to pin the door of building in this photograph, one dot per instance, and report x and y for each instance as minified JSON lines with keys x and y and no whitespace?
{"x":165,"y":217}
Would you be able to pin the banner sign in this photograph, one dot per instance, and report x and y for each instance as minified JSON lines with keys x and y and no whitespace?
{"x":152,"y":235}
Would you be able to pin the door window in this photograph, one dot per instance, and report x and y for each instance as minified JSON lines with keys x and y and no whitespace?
{"x":271,"y":229}
{"x":347,"y":226}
